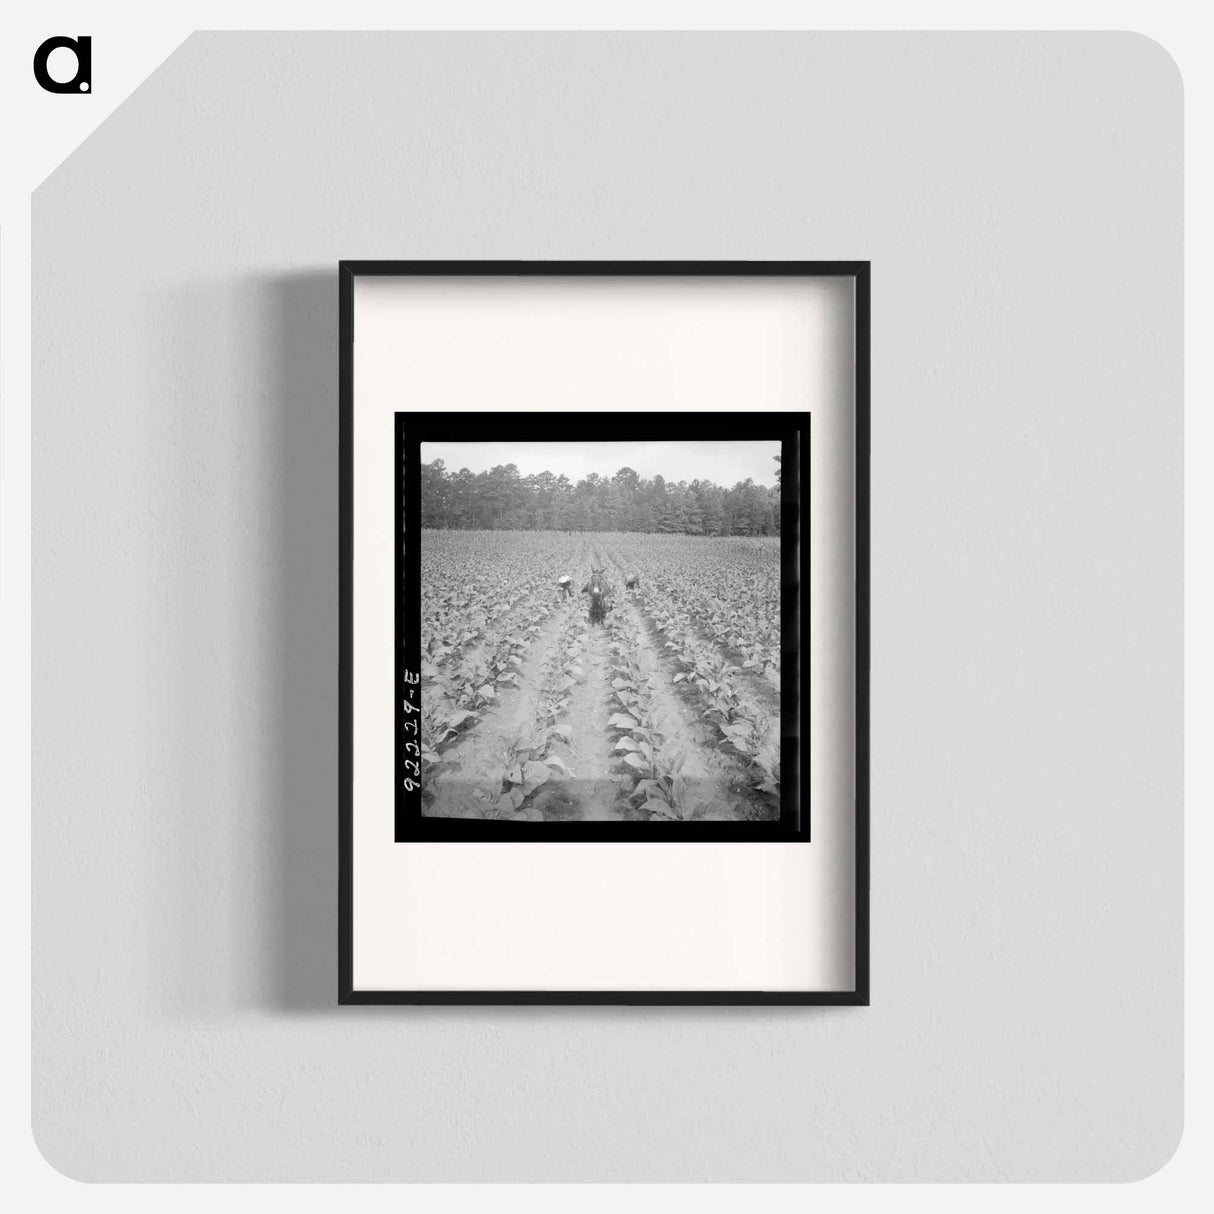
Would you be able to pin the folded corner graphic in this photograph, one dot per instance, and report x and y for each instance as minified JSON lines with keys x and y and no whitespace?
{"x":65,"y":84}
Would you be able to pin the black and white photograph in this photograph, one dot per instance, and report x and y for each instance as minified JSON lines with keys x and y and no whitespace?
{"x":600,"y":629}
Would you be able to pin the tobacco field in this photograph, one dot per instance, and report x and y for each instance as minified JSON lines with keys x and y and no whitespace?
{"x":669,"y":711}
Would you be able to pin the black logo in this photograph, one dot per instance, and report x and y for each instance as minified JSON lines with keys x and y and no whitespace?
{"x":82,"y":48}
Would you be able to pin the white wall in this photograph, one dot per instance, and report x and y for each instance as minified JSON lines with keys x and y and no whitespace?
{"x":1019,"y":197}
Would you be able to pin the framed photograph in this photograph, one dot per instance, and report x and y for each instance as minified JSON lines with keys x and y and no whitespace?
{"x":604,"y":632}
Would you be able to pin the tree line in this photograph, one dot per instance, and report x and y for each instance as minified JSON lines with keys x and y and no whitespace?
{"x":501,"y":499}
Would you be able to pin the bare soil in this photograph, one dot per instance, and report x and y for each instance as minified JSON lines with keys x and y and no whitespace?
{"x":592,"y":790}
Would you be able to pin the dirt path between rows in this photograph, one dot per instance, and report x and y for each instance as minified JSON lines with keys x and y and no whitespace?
{"x":591,"y":792}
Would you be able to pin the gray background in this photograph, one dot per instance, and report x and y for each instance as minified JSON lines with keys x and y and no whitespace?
{"x":1020,"y":199}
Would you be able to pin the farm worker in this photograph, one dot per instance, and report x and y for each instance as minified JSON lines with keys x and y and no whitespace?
{"x":565,"y":582}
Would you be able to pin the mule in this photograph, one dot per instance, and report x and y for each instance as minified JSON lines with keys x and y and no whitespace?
{"x":600,"y":595}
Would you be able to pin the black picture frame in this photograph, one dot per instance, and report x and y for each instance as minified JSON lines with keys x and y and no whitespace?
{"x":859,"y":272}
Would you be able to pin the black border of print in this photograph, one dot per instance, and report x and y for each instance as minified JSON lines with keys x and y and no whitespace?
{"x":860,"y":273}
{"x":790,"y":430}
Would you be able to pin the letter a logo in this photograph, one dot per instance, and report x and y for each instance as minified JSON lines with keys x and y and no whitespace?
{"x":82,"y":81}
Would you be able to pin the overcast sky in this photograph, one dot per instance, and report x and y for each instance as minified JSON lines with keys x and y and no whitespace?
{"x":724,"y":462}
